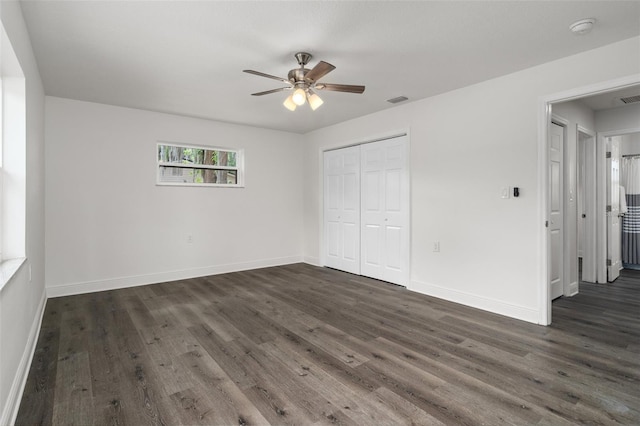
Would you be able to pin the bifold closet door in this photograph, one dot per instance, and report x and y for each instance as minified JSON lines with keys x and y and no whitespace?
{"x":385,"y":210}
{"x":342,"y":209}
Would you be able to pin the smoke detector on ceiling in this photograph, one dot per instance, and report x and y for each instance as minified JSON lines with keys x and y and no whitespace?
{"x":582,"y":26}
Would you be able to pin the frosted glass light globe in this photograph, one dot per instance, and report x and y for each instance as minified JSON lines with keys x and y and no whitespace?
{"x":299,"y":97}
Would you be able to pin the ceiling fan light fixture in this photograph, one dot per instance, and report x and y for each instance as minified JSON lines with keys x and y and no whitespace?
{"x":314,"y":100}
{"x":289,"y":104}
{"x":299,"y":96}
{"x":302,"y":80}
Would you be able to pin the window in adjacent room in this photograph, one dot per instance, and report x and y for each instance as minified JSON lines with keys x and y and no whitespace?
{"x":199,"y":166}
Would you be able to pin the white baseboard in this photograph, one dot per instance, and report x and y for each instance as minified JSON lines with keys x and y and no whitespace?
{"x":138,"y":280}
{"x":10,"y":411}
{"x":486,"y":304}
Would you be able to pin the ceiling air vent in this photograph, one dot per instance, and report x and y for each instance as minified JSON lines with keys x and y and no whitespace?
{"x":631,"y":99}
{"x":398,"y":99}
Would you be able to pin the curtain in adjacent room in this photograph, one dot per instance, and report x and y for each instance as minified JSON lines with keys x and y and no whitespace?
{"x":630,"y":179}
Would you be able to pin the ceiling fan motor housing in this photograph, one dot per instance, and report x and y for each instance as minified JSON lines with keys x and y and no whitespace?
{"x":297,"y":75}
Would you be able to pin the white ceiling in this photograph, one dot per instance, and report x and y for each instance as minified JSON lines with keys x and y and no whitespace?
{"x":187,"y":58}
{"x":611,"y":99}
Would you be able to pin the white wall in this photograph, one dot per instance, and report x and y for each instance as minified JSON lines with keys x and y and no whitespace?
{"x":108,"y":225}
{"x":466,"y":145}
{"x":630,"y":144}
{"x":621,"y":118}
{"x":22,"y":299}
{"x":575,"y":113}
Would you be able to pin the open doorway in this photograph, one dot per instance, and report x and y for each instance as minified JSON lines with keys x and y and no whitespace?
{"x":594,"y":207}
{"x":586,"y":120}
{"x":623,"y":244}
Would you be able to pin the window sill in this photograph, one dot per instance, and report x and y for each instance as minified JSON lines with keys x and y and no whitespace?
{"x":204,"y":185}
{"x":8,"y":269}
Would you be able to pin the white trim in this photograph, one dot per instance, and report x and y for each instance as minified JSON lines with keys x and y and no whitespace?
{"x":566,"y":208}
{"x":590,"y":182}
{"x":379,"y":139}
{"x":10,"y":411}
{"x":544,"y":115}
{"x":544,"y":301}
{"x":8,"y":269}
{"x":200,"y":185}
{"x":560,"y":121}
{"x":593,"y":89}
{"x":620,"y":132}
{"x":485,"y":303}
{"x":601,"y":207}
{"x":138,"y":280}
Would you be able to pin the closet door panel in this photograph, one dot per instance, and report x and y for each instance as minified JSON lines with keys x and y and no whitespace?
{"x":332,"y":242}
{"x":393,"y":190}
{"x":372,"y":236}
{"x":342,"y":209}
{"x":393,"y":239}
{"x":351,"y":246}
{"x":385,"y":201}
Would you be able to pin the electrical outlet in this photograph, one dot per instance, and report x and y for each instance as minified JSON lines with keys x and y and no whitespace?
{"x":190,"y":239}
{"x":436,"y":246}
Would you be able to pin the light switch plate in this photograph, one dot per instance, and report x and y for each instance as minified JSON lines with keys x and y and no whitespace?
{"x":504,"y":192}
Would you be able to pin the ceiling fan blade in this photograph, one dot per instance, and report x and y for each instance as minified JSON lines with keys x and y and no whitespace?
{"x":267,"y":92}
{"x":350,"y":88}
{"x":261,"y":74}
{"x":320,"y":70}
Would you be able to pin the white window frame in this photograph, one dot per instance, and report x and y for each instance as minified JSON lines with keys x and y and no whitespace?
{"x":239,"y":168}
{"x":13,"y":162}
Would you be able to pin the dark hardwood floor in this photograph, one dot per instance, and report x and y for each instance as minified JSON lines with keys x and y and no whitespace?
{"x":304,"y":345}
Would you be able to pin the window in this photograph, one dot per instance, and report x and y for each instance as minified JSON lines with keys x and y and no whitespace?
{"x":1,"y":168}
{"x":12,"y":160}
{"x":199,"y":166}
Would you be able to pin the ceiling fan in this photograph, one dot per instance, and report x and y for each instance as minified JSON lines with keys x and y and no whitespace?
{"x":304,"y":83}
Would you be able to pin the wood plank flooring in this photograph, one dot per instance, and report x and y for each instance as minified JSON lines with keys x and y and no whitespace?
{"x":312,"y":346}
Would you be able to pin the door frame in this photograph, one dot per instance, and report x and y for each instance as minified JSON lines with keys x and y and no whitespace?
{"x":544,"y":120}
{"x":354,"y":142}
{"x":565,"y":270}
{"x":589,"y":191}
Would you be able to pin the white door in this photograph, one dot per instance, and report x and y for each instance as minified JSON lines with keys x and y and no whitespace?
{"x":342,"y":209}
{"x":614,"y":260}
{"x":587,"y":205}
{"x":556,"y":235}
{"x":385,"y":210}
